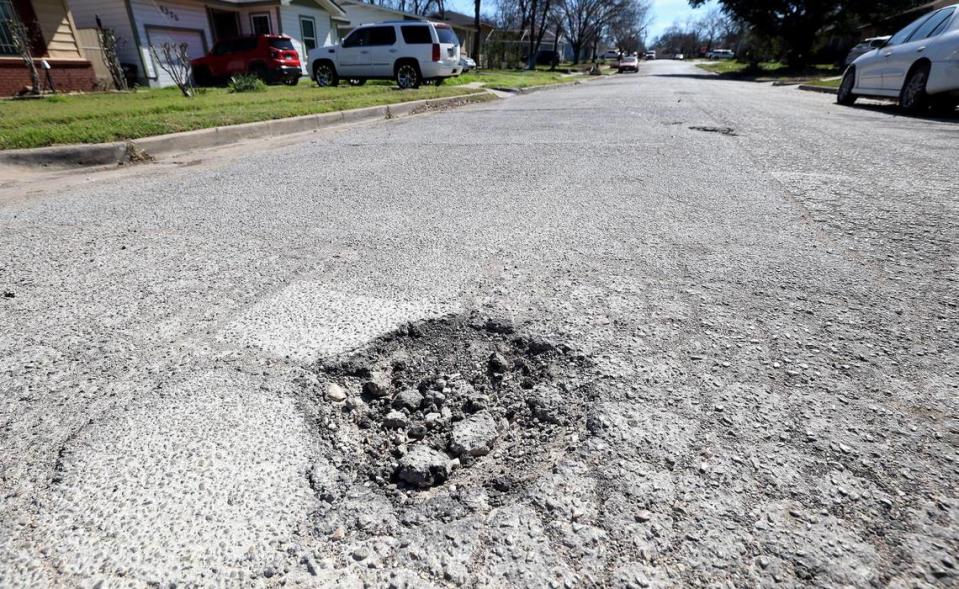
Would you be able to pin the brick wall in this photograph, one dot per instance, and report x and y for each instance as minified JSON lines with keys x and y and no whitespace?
{"x":67,"y":75}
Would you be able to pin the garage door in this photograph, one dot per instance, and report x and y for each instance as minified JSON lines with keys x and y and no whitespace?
{"x":157,"y":36}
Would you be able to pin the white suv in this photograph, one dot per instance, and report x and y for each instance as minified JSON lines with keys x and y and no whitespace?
{"x":411,"y":52}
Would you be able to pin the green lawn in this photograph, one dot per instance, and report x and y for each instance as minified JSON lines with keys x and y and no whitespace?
{"x":766,"y":71}
{"x":510,"y":78}
{"x":96,"y":118}
{"x":830,"y":83}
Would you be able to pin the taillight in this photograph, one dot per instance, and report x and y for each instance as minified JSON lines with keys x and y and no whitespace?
{"x":436,"y":51}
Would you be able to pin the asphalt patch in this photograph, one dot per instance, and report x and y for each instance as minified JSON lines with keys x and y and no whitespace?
{"x":721,"y":130}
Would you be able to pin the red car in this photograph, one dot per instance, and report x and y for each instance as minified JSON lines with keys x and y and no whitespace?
{"x":271,"y":57}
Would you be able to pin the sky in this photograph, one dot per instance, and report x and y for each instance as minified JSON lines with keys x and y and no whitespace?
{"x":665,"y":12}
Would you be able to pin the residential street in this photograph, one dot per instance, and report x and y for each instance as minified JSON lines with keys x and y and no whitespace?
{"x":735,"y":304}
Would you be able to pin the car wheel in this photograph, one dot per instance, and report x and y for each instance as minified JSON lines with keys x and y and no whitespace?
{"x":844,"y":95}
{"x":912,"y":97}
{"x":260,"y":72}
{"x":325,"y":75}
{"x":357,"y":81}
{"x":407,"y":76}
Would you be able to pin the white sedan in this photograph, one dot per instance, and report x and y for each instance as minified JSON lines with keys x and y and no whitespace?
{"x":919,"y":65}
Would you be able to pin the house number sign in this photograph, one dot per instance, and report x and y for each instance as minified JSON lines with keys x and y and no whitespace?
{"x":169,"y":13}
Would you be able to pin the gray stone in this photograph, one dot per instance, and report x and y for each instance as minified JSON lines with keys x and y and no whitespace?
{"x":395,"y":420}
{"x":409,"y":399}
{"x":379,"y":384}
{"x":424,"y":467}
{"x":497,"y":363}
{"x":475,"y":435}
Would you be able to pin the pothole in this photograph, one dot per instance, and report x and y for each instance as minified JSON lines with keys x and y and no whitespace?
{"x":721,"y":130}
{"x":463,"y":400}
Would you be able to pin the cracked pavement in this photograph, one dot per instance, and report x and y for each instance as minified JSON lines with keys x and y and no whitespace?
{"x":769,"y":311}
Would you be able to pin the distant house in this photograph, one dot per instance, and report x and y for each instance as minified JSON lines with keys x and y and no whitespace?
{"x":55,"y":41}
{"x":200,"y":24}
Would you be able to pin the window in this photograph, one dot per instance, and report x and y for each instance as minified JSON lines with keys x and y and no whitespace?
{"x":308,"y":32}
{"x":282,"y":44}
{"x":417,"y":35}
{"x":934,"y":25}
{"x":244,"y":44}
{"x":6,"y":40}
{"x":358,"y":38}
{"x":382,"y":36}
{"x":904,"y":34}
{"x":223,"y":48}
{"x":447,"y":35}
{"x":260,"y":23}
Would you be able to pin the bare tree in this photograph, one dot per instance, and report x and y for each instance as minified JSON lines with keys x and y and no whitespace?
{"x":174,"y":60}
{"x":110,"y":43}
{"x":22,"y":40}
{"x":478,"y":33}
{"x":627,"y":30}
{"x":585,"y":21}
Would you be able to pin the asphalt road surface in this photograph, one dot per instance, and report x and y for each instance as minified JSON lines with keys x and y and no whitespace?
{"x":754,"y":288}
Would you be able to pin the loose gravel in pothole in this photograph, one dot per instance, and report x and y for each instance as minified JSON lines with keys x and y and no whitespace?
{"x":462,"y":399}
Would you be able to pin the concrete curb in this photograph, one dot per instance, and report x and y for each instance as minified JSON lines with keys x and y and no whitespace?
{"x":100,"y":154}
{"x":820,"y":89}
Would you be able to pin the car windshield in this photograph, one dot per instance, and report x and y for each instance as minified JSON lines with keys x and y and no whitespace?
{"x":447,"y":36}
{"x":281,"y":44}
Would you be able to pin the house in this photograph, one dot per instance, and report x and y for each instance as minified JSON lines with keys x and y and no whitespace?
{"x":359,"y":13}
{"x":201,"y":23}
{"x":54,"y":37}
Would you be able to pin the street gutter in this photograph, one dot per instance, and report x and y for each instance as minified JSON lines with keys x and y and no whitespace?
{"x":146,"y":148}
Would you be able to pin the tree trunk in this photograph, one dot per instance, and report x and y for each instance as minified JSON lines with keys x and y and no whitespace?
{"x":477,"y":34}
{"x":531,"y":58}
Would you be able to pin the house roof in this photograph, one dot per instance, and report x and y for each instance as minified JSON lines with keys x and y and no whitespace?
{"x":461,"y":20}
{"x":328,"y":5}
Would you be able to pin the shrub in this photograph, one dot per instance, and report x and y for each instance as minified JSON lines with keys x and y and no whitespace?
{"x":246,"y":83}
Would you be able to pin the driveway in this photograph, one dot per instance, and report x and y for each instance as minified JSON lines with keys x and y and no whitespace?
{"x":748,"y":301}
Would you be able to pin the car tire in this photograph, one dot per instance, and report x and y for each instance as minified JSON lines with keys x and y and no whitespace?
{"x":913,"y":98}
{"x":408,"y":75}
{"x":844,"y":95}
{"x":259,"y":70}
{"x":324,"y":74}
{"x":357,"y":81}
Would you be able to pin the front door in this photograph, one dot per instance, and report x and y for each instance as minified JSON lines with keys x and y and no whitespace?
{"x":354,"y":54}
{"x":226,"y":24}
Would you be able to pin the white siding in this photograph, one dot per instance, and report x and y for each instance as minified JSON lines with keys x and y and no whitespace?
{"x":290,"y":21}
{"x":171,"y":14}
{"x":113,"y":15}
{"x":360,"y":14}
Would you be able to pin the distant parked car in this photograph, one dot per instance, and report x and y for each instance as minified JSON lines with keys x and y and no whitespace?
{"x":917,"y":65}
{"x":679,"y":56}
{"x":629,"y":64}
{"x":650,"y":55}
{"x":270,"y":57}
{"x":720,"y":54}
{"x":866,"y":46}
{"x":467,"y":63}
{"x":410,"y":52}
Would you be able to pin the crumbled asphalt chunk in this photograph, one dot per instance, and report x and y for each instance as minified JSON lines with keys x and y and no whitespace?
{"x":335,"y":392}
{"x":497,"y":363}
{"x":474,"y":436}
{"x":378,"y":385}
{"x":395,"y":420}
{"x":424,"y":467}
{"x":410,"y":399}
